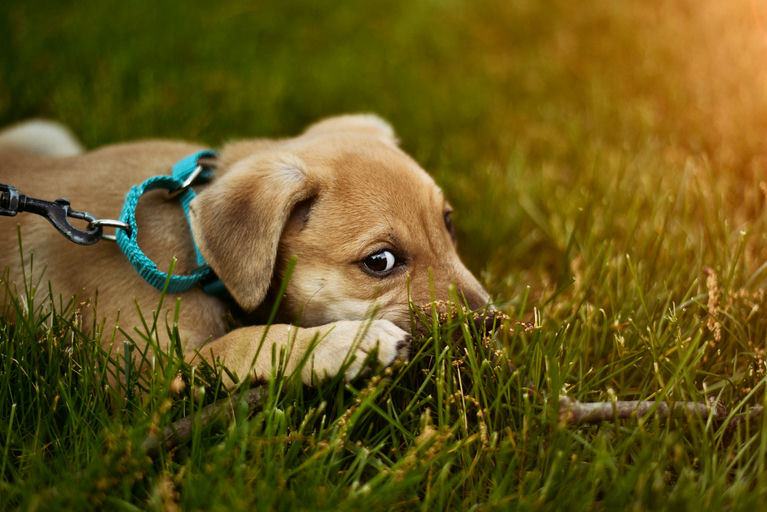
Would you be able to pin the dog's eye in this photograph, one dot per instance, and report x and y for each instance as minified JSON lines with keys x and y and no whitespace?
{"x":379,"y":264}
{"x":449,"y":224}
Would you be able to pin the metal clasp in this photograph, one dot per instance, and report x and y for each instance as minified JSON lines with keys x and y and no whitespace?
{"x":111,"y":223}
{"x":187,"y":182}
{"x":58,"y":212}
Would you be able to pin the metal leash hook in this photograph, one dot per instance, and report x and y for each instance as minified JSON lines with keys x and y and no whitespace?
{"x":111,"y":223}
{"x":58,"y":213}
{"x":9,"y":200}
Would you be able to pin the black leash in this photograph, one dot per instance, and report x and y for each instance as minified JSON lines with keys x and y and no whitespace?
{"x":57,"y":212}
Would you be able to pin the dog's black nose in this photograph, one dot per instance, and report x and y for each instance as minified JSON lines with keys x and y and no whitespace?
{"x":487,"y":320}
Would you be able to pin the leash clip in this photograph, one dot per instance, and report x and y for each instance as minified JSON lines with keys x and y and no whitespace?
{"x":57,"y":212}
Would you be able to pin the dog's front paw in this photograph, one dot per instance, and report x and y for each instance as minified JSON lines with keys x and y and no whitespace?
{"x":349,"y":343}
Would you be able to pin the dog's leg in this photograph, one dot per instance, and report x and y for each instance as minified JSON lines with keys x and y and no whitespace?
{"x":247,"y":351}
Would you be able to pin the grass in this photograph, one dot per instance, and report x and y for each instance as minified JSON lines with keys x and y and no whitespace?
{"x":606,"y":165}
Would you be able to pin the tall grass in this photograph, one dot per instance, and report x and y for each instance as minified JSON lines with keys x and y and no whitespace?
{"x":457,"y":426}
{"x":606,"y":164}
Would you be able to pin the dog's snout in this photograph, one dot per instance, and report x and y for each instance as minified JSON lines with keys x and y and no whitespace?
{"x":477,"y":301}
{"x":486,"y":321}
{"x":475,"y":296}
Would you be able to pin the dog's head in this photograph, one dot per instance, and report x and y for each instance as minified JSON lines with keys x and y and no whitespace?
{"x":368,"y":227}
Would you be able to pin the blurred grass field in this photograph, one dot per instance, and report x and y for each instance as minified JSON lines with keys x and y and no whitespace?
{"x":606,"y":162}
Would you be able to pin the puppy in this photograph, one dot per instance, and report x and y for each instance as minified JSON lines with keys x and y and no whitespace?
{"x":368,"y":231}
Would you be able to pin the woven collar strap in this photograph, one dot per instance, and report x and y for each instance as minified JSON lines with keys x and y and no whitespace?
{"x":178,"y":185}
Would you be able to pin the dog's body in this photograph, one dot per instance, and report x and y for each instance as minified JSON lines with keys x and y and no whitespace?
{"x":368,"y":227}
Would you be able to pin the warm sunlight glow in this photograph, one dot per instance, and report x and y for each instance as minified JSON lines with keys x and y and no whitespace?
{"x":758,"y":19}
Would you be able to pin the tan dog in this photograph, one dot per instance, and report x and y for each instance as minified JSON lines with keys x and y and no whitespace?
{"x":369,"y":228}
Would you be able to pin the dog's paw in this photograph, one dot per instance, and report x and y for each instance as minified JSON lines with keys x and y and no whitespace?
{"x":349,"y":343}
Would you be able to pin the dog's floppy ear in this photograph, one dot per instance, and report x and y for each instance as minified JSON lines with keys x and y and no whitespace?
{"x":238,"y":220}
{"x":366,"y":123}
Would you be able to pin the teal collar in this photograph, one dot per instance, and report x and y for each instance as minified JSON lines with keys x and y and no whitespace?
{"x":187,"y":171}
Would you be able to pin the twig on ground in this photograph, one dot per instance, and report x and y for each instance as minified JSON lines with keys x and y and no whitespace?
{"x":573,"y":412}
{"x":181,"y":429}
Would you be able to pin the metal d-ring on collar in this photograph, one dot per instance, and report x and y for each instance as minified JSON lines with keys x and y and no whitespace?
{"x":110,"y":223}
{"x":187,"y":182}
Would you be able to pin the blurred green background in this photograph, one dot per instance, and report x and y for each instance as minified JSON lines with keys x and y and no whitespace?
{"x":520,"y":109}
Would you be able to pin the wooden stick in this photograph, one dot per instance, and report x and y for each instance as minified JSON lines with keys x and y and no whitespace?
{"x":573,"y":412}
{"x":181,"y":429}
